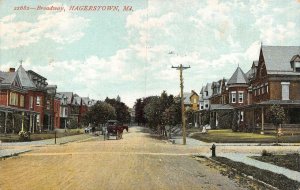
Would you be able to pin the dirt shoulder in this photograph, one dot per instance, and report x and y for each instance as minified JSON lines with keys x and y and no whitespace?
{"x":135,"y":162}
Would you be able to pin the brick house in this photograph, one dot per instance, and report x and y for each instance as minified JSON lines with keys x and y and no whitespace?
{"x":274,"y":79}
{"x":18,"y":96}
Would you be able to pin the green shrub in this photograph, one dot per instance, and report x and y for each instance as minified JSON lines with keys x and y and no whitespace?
{"x":266,"y":153}
{"x":24,"y":136}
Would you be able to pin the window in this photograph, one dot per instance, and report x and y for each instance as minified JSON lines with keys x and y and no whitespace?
{"x":195,"y":101}
{"x":241,"y":97}
{"x":22,"y":101}
{"x":48,"y":105}
{"x":31,"y":101}
{"x":233,"y":97}
{"x":262,"y":90}
{"x":241,"y":116}
{"x":13,"y":99}
{"x":206,"y":105}
{"x":254,"y":92}
{"x":38,"y":100}
{"x":38,"y":118}
{"x":285,"y":90}
{"x":66,"y":112}
{"x":267,"y":88}
{"x":258,"y":91}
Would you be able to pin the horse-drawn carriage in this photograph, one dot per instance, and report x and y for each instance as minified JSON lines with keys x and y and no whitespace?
{"x":113,"y":128}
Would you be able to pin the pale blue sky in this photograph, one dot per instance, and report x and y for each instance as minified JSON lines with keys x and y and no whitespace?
{"x":109,"y":53}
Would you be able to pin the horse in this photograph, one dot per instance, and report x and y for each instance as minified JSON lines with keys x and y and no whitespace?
{"x":120,"y":130}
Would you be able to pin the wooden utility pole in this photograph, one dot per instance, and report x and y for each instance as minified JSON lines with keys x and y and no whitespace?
{"x":181,"y":68}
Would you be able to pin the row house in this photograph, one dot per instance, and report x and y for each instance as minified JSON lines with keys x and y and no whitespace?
{"x":273,"y":79}
{"x":191,"y":100}
{"x":23,"y":95}
{"x":72,"y":108}
{"x":245,"y":97}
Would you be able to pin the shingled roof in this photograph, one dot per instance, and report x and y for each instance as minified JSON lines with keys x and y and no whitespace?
{"x":24,"y":79}
{"x":238,"y":77}
{"x":277,"y":58}
{"x":8,"y":77}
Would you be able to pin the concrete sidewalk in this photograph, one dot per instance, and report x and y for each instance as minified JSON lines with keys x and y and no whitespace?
{"x":11,"y":152}
{"x":194,"y":142}
{"x":245,"y":158}
{"x":61,"y":140}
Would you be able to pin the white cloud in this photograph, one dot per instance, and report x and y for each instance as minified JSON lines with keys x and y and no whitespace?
{"x":61,"y":27}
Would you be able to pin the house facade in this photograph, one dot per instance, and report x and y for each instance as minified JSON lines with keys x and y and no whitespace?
{"x":22,"y":101}
{"x":273,"y":79}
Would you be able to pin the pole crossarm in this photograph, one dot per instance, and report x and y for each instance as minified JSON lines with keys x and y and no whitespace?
{"x":181,"y":68}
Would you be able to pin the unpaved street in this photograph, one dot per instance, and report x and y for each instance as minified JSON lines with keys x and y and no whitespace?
{"x":135,"y":162}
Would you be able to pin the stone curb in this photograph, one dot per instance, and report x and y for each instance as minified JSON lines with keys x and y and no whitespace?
{"x":241,"y":173}
{"x":13,"y":154}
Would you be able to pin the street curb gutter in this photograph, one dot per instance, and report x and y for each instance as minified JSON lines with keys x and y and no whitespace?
{"x":13,"y":154}
{"x":241,"y":173}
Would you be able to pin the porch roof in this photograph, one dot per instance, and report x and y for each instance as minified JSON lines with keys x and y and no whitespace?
{"x":220,"y":107}
{"x":290,"y":103}
{"x":280,"y":102}
{"x":13,"y":109}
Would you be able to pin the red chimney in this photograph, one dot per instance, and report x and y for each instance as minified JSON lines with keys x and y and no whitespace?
{"x":12,"y":69}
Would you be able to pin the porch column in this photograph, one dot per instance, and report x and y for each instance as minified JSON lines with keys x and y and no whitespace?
{"x":65,"y":123}
{"x":33,"y":123}
{"x":217,"y":122}
{"x":48,"y":122}
{"x":30,"y":123}
{"x":5,"y":122}
{"x":13,"y":121}
{"x":22,"y":121}
{"x":262,"y":120}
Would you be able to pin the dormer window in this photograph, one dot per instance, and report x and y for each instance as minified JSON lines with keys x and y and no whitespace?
{"x":295,"y":63}
{"x":297,"y":66}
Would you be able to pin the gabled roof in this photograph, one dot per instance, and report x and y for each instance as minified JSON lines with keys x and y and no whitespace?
{"x":255,"y":63}
{"x":76,"y":100}
{"x":202,"y":90}
{"x":238,"y":77}
{"x":24,"y":79}
{"x":8,"y":77}
{"x":248,"y":74}
{"x":186,"y":97}
{"x":277,"y":58}
{"x":69,"y":96}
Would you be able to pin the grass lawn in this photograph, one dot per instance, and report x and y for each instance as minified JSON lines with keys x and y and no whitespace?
{"x":277,"y":180}
{"x":37,"y":136}
{"x":290,"y":161}
{"x":227,"y":136}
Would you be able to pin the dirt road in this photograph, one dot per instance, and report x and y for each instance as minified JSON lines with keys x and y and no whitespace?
{"x":135,"y":162}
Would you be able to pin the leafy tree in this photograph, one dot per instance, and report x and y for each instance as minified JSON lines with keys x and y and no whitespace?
{"x":139,"y":111}
{"x":189,"y":113}
{"x":205,"y":117}
{"x":122,"y":111}
{"x":99,"y":113}
{"x":277,"y":116}
{"x":172,"y":115}
{"x":153,"y":112}
{"x":235,"y":121}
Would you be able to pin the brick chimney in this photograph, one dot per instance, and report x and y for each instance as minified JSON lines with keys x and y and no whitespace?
{"x":12,"y":70}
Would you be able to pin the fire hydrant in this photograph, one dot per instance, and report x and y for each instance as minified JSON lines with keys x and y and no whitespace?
{"x":213,"y":150}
